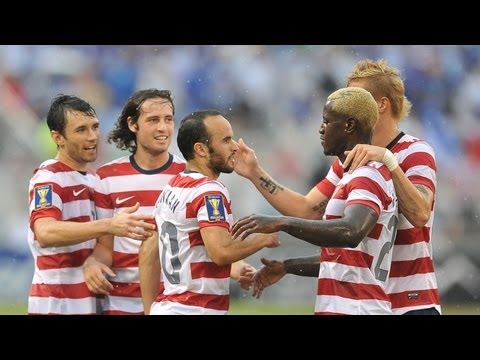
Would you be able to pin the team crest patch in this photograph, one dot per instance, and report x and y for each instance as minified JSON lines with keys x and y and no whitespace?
{"x":43,"y":196}
{"x":215,"y":208}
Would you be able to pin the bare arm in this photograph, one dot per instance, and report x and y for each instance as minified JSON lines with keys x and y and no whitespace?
{"x":286,"y":201}
{"x":348,"y":231}
{"x":149,"y":267}
{"x":98,"y":264}
{"x":223,"y":250}
{"x":51,"y":232}
{"x":415,"y":201}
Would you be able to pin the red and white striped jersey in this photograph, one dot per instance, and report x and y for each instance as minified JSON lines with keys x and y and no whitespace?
{"x":194,"y":284}
{"x":58,"y":285}
{"x":412,"y":284}
{"x":122,"y":183}
{"x":353,"y":280}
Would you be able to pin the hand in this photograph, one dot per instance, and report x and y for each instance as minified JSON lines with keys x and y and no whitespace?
{"x":95,"y":279}
{"x":246,"y":161}
{"x":131,"y":225}
{"x":267,"y":275}
{"x":245,"y":279}
{"x":361,"y":154}
{"x":255,"y":224}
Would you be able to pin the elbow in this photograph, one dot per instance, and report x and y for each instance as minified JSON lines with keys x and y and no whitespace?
{"x":421,"y":219}
{"x":43,"y":240}
{"x":221,"y":259}
{"x":353,"y":238}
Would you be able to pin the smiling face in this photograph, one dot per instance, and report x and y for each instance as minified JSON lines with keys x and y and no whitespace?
{"x":332,"y":131}
{"x":222,"y":148}
{"x":155,"y":126}
{"x":78,"y":144}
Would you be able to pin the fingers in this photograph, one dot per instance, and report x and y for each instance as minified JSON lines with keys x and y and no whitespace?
{"x":266,"y":262}
{"x":97,"y":282}
{"x":133,"y":208}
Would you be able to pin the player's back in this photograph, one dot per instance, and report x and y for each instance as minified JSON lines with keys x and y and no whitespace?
{"x":194,"y":284}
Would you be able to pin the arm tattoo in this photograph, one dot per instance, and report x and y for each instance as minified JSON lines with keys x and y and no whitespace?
{"x":422,"y":189}
{"x":271,"y":186}
{"x":321,"y":207}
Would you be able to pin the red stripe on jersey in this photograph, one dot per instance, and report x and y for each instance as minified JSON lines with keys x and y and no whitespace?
{"x":195,"y":239}
{"x":130,"y":198}
{"x":414,"y":298}
{"x":376,"y":231}
{"x":69,"y":192}
{"x":160,"y":295}
{"x":412,"y":236}
{"x":326,"y":188}
{"x":386,"y":174}
{"x":350,"y":290}
{"x":125,"y":289}
{"x":368,"y":203}
{"x":59,"y":167}
{"x":187,"y":182}
{"x":418,"y":158}
{"x":330,"y":217}
{"x":124,"y":260}
{"x":126,"y":168}
{"x":61,"y":291}
{"x":346,"y":257}
{"x":53,"y":212}
{"x":63,"y":260}
{"x":119,"y":312}
{"x":204,"y":224}
{"x":403,"y":145}
{"x":365,"y":183}
{"x":409,"y":267}
{"x":102,"y":201}
{"x":209,"y":301}
{"x":209,"y":270}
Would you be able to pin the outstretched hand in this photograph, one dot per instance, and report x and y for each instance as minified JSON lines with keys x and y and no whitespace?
{"x":361,"y":154}
{"x":267,"y":275}
{"x":255,"y":224}
{"x":246,"y":161}
{"x":131,"y":225}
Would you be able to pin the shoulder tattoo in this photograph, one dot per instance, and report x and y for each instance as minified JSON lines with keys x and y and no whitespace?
{"x":321,"y":207}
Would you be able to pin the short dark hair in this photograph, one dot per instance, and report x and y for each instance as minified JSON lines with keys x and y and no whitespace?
{"x":121,"y":135}
{"x":63,"y":104}
{"x":192,"y":130}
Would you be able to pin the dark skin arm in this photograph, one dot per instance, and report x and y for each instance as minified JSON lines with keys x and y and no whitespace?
{"x":348,"y":231}
{"x":273,"y":271}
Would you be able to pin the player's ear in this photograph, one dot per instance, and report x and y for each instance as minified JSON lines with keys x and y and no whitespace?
{"x":201,"y":149}
{"x":350,"y":125}
{"x":57,"y":137}
{"x":131,"y":125}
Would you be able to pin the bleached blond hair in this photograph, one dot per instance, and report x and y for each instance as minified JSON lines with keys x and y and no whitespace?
{"x":357,"y":103}
{"x":383,"y":80}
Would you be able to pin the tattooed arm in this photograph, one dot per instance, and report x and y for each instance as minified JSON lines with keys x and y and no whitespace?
{"x":286,"y":201}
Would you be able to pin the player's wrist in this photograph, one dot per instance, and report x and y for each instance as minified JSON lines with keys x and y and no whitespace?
{"x":389,"y":160}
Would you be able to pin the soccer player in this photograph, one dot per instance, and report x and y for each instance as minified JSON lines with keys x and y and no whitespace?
{"x":193,"y":215}
{"x":63,"y":228}
{"x":359,"y":226}
{"x":412,"y":286}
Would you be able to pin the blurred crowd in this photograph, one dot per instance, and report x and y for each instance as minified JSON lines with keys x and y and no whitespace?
{"x":274,"y":96}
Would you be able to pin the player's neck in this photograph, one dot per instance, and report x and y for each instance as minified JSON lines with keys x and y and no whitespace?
{"x":385,"y":132}
{"x":150,"y":162}
{"x":75,"y":165}
{"x":193,"y":165}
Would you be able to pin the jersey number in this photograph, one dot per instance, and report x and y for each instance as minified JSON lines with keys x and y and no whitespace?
{"x":382,"y":274}
{"x":168,"y":234}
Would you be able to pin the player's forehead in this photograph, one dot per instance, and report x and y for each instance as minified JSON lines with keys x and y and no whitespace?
{"x":218,"y":127}
{"x":157,"y":106}
{"x":76,"y":119}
